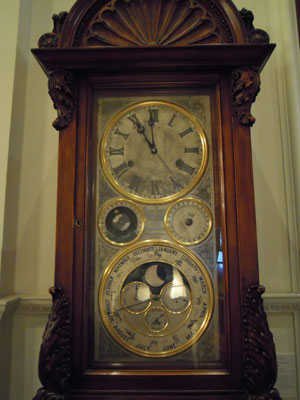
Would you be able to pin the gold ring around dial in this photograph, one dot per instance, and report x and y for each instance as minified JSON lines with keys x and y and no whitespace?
{"x":121,"y":222}
{"x":131,"y":306}
{"x":153,"y":151}
{"x":188,"y":221}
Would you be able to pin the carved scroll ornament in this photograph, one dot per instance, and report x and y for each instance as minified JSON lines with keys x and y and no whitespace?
{"x":245,"y":87}
{"x":52,"y":39}
{"x":254,"y":35}
{"x":61,"y":90}
{"x":260,"y":368}
{"x":55,"y":352}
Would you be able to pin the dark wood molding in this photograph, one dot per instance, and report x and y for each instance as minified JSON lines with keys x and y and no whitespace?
{"x":55,"y":352}
{"x":260,"y":369}
{"x":245,"y":87}
{"x":62,"y":92}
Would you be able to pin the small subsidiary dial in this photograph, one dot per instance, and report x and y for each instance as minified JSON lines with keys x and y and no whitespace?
{"x":188,"y":221}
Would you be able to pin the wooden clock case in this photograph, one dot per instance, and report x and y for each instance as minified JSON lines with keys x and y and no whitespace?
{"x":221,"y":53}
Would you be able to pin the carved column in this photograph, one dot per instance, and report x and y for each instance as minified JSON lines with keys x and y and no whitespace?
{"x":260,"y":369}
{"x":55,"y":352}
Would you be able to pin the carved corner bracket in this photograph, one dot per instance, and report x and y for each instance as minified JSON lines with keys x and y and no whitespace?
{"x":245,"y":87}
{"x":260,"y":369}
{"x":254,"y":35}
{"x":62,"y":92}
{"x":55,"y":352}
{"x":49,"y":40}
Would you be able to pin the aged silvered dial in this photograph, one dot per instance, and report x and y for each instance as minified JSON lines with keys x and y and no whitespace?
{"x":156,"y":298}
{"x":153,"y":151}
{"x":188,"y":221}
{"x":121,"y":222}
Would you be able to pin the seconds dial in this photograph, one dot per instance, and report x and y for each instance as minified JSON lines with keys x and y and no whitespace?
{"x":188,"y":221}
{"x":153,"y":151}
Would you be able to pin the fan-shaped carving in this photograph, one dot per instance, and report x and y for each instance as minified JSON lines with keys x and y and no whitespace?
{"x":165,"y":23}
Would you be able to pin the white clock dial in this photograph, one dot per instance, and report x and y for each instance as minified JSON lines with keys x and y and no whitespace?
{"x":153,"y":151}
{"x":188,"y":221}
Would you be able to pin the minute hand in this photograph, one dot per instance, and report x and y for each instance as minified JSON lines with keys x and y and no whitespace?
{"x":141,"y":130}
{"x":162,"y":160}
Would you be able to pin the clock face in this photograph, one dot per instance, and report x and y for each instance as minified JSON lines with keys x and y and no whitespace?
{"x":156,"y":299}
{"x":121,"y":222}
{"x":153,"y":151}
{"x":188,"y":221}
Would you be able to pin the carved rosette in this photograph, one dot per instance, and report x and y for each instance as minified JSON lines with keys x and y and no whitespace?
{"x":260,"y":369}
{"x":245,"y":87}
{"x":62,"y":92}
{"x":55,"y":352}
{"x":135,"y":23}
{"x":49,"y":40}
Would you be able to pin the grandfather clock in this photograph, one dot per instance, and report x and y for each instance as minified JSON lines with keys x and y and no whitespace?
{"x":156,"y":290}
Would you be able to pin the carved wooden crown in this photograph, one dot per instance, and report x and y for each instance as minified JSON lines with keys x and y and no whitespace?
{"x":145,"y":23}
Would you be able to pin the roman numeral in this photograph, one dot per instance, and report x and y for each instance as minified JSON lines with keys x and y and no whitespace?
{"x":191,"y":150}
{"x":124,"y":135}
{"x":120,"y":169}
{"x":116,"y":152}
{"x":185,"y":167}
{"x":154,"y":187}
{"x":153,"y":115}
{"x":172,"y":119}
{"x":182,"y":134}
{"x":135,"y":182}
{"x":134,"y":119}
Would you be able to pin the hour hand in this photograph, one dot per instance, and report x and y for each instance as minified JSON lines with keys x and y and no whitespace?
{"x":139,"y":127}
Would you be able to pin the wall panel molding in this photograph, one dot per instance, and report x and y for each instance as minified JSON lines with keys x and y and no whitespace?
{"x":282,"y":302}
{"x":25,"y":304}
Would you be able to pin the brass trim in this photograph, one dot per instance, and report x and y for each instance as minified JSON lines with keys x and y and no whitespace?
{"x":147,"y":325}
{"x":128,"y":307}
{"x":164,"y":306}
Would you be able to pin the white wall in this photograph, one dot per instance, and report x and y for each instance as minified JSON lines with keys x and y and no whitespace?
{"x":28,"y":156}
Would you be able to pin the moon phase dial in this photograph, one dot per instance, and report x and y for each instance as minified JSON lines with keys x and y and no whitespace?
{"x":121,"y":222}
{"x":156,"y":299}
{"x":188,"y":221}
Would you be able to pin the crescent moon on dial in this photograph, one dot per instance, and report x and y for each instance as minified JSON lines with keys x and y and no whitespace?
{"x":152,"y":278}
